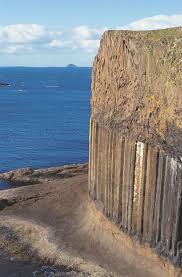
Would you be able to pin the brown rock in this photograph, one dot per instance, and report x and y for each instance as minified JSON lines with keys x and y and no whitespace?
{"x":136,"y":136}
{"x":28,"y":175}
{"x":137,"y":86}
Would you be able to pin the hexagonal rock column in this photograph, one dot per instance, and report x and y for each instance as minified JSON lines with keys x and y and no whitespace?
{"x":135,"y":160}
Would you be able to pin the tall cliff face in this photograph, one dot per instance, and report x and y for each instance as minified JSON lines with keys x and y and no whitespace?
{"x":137,"y":86}
{"x":136,"y":135}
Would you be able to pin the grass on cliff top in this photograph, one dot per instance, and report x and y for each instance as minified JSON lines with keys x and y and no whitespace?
{"x":173,"y":33}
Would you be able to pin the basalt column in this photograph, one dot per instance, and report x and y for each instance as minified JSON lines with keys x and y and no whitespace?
{"x":135,"y":164}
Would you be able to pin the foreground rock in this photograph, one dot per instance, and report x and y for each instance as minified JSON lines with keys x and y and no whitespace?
{"x":29,"y":176}
{"x":13,"y":267}
{"x":54,"y":224}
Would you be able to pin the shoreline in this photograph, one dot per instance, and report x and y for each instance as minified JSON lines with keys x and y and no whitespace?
{"x":29,"y":176}
{"x":32,"y":242}
{"x":53,"y":223}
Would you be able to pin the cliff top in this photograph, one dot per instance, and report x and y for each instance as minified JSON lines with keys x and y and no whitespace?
{"x":149,"y":35}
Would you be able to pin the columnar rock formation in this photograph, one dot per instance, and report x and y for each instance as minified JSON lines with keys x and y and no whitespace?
{"x":135,"y":167}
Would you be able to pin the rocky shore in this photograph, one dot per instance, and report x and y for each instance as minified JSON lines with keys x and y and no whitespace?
{"x":27,"y":176}
{"x":52,"y":229}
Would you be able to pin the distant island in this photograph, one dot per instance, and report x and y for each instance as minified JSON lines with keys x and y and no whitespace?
{"x":71,"y":65}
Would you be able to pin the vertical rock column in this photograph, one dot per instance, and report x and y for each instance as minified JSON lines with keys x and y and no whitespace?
{"x":137,"y":187}
{"x":135,"y":164}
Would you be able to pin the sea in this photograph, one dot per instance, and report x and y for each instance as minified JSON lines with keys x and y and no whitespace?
{"x":44,"y":117}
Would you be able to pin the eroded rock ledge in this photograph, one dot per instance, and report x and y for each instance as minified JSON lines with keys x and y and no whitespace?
{"x":28,"y":176}
{"x":135,"y":166}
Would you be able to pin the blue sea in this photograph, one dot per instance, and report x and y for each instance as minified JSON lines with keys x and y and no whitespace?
{"x":44,"y":117}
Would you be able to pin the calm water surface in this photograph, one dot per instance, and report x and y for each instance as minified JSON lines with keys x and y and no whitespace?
{"x":44,"y":117}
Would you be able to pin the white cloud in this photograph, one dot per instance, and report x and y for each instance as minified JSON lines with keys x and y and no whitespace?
{"x":21,"y":34}
{"x":85,"y":33}
{"x":87,"y":38}
{"x":8,"y":50}
{"x":90,"y":45}
{"x":155,"y":22}
{"x":23,"y":38}
{"x":56,"y":43}
{"x":15,"y":49}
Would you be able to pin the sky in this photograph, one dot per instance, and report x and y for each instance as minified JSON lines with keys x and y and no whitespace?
{"x":59,"y":32}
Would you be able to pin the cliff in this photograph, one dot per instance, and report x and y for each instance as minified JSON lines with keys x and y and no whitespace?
{"x":136,"y":136}
{"x":137,"y":85}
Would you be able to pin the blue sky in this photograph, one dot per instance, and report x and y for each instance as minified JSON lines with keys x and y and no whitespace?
{"x":58,"y":32}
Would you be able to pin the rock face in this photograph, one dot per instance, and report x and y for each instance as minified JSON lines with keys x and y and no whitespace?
{"x":137,"y":86}
{"x":135,"y":165}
